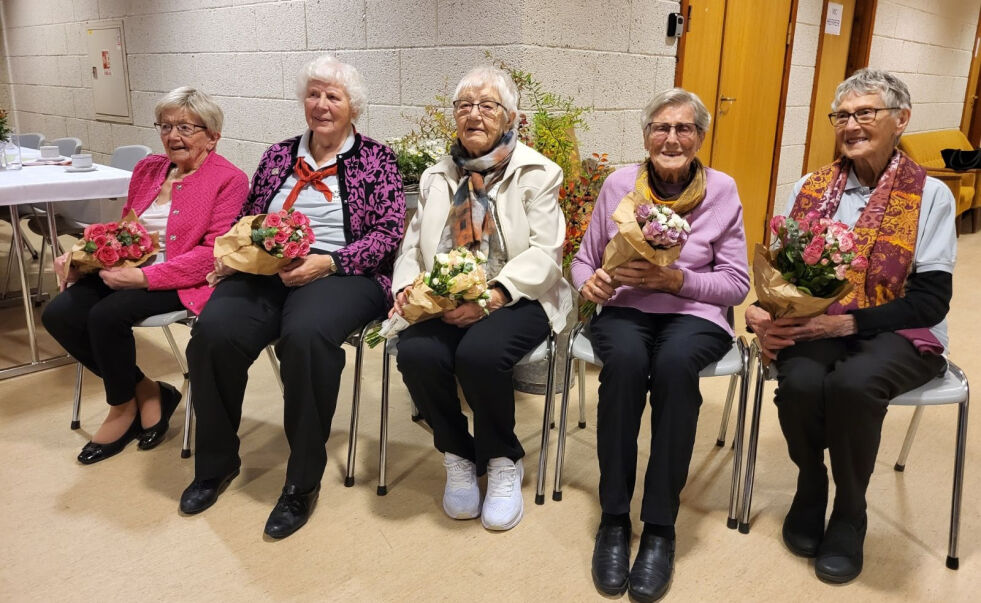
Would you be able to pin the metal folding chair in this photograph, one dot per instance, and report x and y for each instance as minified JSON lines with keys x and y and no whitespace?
{"x":950,"y":388}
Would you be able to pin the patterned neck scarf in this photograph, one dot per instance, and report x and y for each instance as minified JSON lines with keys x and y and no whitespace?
{"x":689,"y":198}
{"x":305,"y":176}
{"x":471,"y":219}
{"x":885,"y":232}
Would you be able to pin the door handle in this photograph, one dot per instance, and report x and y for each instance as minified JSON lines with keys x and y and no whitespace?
{"x":723,"y":109}
{"x":727,"y":99}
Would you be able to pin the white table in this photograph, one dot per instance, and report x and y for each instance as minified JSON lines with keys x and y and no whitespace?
{"x":49,"y":184}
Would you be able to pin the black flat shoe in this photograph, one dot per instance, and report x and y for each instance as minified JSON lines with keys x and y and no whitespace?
{"x":93,"y":453}
{"x":611,"y":558}
{"x":291,"y":511}
{"x":202,"y":493}
{"x":651,"y":574}
{"x":803,"y":528}
{"x":169,"y":399}
{"x":839,"y":559}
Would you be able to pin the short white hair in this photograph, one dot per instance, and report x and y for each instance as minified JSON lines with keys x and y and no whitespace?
{"x":478,"y":77}
{"x":891,"y":89}
{"x":193,"y":101}
{"x":676,"y":97}
{"x":329,"y":70}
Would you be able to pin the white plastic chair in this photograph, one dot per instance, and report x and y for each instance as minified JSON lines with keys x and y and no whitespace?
{"x":950,"y":388}
{"x":735,"y":365}
{"x":67,"y":146}
{"x":544,"y":351}
{"x":28,"y":140}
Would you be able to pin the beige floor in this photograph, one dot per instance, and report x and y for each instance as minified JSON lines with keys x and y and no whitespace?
{"x":112,"y":532}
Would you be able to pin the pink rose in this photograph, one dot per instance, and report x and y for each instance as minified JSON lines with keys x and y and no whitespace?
{"x":146,"y":242}
{"x":304,"y":250}
{"x":281,"y":236}
{"x":135,"y":252}
{"x":112,"y":227}
{"x":777,"y":223}
{"x":308,"y":235}
{"x":291,"y":250}
{"x":100,"y":240}
{"x":824,"y":261}
{"x":812,"y":253}
{"x":846,"y":242}
{"x":107,"y":256}
{"x":840,"y":272}
{"x":860,"y":263}
{"x":272,"y":220}
{"x":94,"y":230}
{"x":836,"y":258}
{"x":298,"y":219}
{"x":269,"y":244}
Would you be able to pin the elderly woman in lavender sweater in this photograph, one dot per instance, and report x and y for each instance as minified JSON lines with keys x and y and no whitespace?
{"x":349,"y":187}
{"x":659,"y":326}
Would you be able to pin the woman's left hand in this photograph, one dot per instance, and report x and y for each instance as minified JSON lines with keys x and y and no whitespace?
{"x":304,"y":270}
{"x":124,"y":278}
{"x":823,"y":326}
{"x":641,"y":274}
{"x":468,"y":313}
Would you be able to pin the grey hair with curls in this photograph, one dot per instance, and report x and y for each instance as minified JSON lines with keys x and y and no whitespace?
{"x":675,"y":97}
{"x":890,"y":88}
{"x":331,"y":71}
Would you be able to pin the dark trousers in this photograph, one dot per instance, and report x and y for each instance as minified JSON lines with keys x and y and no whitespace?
{"x":482,"y":357}
{"x":245,"y":314}
{"x":661,"y":354}
{"x":834,"y":393}
{"x":95,"y":325}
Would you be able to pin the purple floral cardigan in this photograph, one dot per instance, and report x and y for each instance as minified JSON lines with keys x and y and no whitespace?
{"x":373,"y":203}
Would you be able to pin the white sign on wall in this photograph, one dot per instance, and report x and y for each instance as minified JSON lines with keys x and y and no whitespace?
{"x":832,"y":23}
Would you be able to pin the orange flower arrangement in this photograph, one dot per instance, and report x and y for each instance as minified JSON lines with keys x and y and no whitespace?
{"x":576,"y":198}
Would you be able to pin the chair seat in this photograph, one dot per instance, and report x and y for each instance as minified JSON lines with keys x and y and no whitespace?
{"x":948,"y":389}
{"x":161,"y":320}
{"x":730,"y":364}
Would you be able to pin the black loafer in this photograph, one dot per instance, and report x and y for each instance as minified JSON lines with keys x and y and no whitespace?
{"x":611,"y":558}
{"x":93,"y":453}
{"x":169,"y":399}
{"x":839,"y":559}
{"x":291,"y":511}
{"x":651,"y":574}
{"x":803,"y":528}
{"x":202,"y":493}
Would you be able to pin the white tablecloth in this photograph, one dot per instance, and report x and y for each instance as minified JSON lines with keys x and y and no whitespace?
{"x":40,"y":183}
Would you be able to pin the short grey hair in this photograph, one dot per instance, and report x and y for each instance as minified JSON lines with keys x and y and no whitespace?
{"x":329,"y":70}
{"x":890,"y":88}
{"x":675,"y":97}
{"x":484,"y":75}
{"x":194,"y":101}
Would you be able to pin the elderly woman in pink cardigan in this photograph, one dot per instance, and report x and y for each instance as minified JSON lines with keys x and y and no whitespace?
{"x":659,"y":326}
{"x":189,"y":196}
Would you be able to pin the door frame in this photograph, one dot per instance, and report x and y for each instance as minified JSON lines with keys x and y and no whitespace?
{"x":971,"y":115}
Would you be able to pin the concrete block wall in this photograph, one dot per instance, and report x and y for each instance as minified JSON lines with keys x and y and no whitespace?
{"x":246,"y":53}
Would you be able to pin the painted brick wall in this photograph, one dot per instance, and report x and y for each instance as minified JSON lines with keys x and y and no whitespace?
{"x":612,"y":57}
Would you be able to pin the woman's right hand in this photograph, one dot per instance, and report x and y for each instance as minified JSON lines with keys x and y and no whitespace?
{"x":59,"y":270}
{"x":771,"y":339}
{"x":599,"y":287}
{"x":401,"y":298}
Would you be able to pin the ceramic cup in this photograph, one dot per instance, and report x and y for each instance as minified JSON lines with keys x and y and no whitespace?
{"x":82,"y":160}
{"x":49,"y":152}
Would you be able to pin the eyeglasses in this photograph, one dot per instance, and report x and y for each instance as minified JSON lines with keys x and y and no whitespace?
{"x":183,"y":129}
{"x":486,"y":107}
{"x":660,"y":131}
{"x":839,"y":119}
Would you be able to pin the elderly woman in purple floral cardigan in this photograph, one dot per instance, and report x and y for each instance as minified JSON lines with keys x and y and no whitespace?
{"x":349,"y":187}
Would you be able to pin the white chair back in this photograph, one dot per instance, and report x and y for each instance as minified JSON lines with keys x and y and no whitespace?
{"x":67,"y":146}
{"x":29,"y":140}
{"x":105,"y":210}
{"x":126,"y":157}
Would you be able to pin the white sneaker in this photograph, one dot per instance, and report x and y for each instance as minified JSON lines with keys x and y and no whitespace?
{"x":503,"y":505}
{"x":461,"y":498}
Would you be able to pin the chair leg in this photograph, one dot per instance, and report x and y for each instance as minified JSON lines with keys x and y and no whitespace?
{"x":547,"y":419}
{"x":40,"y":270}
{"x":352,"y":438}
{"x":754,"y":436}
{"x":914,"y":423}
{"x":955,"y":503}
{"x":275,"y":366}
{"x":721,"y":440}
{"x":383,"y":435}
{"x":188,"y":423}
{"x":564,"y":415}
{"x":10,"y":270}
{"x":737,"y":457}
{"x":581,"y":373}
{"x":77,"y":404}
{"x":176,"y":351}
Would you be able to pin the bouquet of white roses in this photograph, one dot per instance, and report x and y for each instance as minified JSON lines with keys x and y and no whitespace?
{"x":457,"y":276}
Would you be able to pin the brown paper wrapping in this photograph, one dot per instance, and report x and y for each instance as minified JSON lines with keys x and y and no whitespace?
{"x":422,"y":303}
{"x":236,"y":250}
{"x":629,"y":242}
{"x":782,"y":299}
{"x":86,"y":262}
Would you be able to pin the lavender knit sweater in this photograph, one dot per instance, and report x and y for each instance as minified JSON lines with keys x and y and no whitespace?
{"x":713,"y":260}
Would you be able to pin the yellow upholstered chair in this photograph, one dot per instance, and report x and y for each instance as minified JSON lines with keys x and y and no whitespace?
{"x":924,"y":148}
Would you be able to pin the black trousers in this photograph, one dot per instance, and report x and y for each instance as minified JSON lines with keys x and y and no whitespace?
{"x":834,"y":393}
{"x":245,"y":314}
{"x":95,"y":325}
{"x":482,"y":357}
{"x":661,"y":354}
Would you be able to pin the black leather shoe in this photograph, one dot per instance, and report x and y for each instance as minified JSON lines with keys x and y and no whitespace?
{"x":93,"y":453}
{"x":291,"y":511}
{"x":611,"y":558}
{"x":202,"y":493}
{"x":651,"y":574}
{"x":803,"y":528}
{"x":839,"y":559}
{"x":169,"y":399}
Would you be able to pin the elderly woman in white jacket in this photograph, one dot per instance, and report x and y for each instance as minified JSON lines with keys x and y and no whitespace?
{"x":496,"y":195}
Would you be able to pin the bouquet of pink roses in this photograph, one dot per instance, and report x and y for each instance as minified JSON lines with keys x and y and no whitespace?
{"x":806,"y":272}
{"x":121,"y":244}
{"x":263,"y":244}
{"x":646,"y":231}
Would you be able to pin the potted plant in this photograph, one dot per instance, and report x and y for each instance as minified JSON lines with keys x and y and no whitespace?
{"x":413,"y":154}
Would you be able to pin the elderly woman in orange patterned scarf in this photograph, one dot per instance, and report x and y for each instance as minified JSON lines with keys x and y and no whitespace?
{"x":838,"y":371}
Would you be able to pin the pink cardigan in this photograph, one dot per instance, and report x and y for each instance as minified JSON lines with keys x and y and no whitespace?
{"x":203,"y":206}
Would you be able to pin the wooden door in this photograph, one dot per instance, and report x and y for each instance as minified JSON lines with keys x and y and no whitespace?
{"x":832,"y":63}
{"x":747,"y":108}
{"x":701,"y":56}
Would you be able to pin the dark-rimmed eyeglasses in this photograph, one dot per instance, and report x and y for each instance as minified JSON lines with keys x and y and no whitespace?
{"x":486,"y":107}
{"x":183,"y":129}
{"x":839,"y":119}
{"x":661,"y":130}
